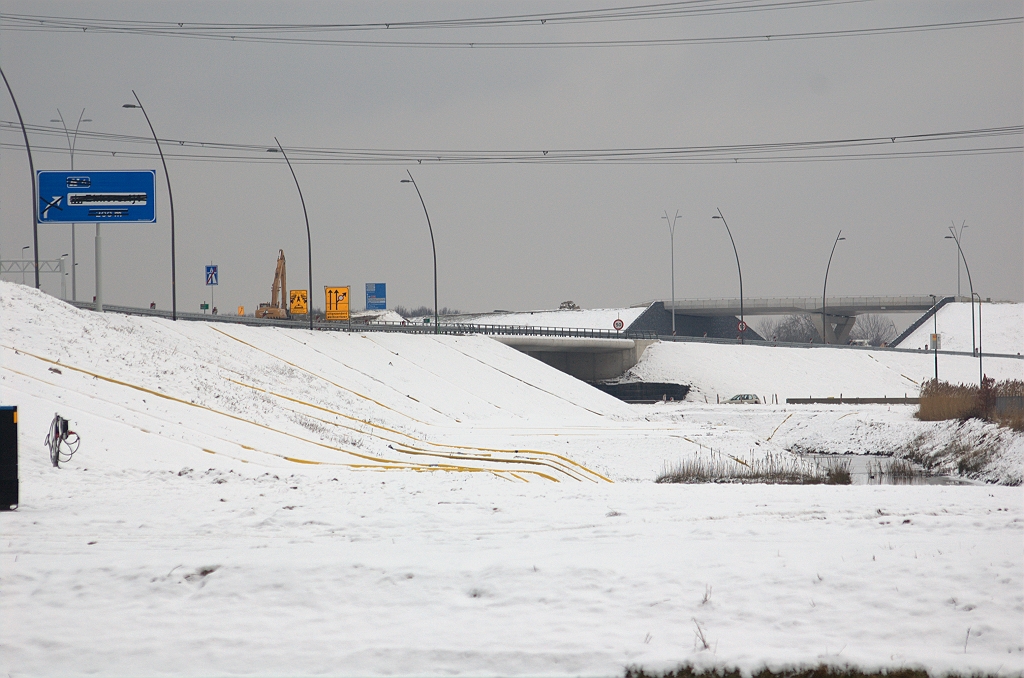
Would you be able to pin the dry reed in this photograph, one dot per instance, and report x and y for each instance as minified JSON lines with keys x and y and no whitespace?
{"x":772,"y":470}
{"x":941,"y":401}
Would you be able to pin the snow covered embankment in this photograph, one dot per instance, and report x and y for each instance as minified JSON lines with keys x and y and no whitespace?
{"x":151,"y":391}
{"x":974,"y":449}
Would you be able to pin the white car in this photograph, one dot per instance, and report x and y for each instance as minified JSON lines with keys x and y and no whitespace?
{"x":744,"y":399}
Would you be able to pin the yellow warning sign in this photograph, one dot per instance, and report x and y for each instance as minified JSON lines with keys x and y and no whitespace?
{"x":298,"y":302}
{"x":337,"y":302}
{"x":241,"y":310}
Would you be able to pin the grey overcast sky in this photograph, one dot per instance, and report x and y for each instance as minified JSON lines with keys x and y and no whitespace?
{"x":530,"y":234}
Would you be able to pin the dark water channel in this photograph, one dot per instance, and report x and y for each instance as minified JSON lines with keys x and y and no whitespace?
{"x":866,"y":469}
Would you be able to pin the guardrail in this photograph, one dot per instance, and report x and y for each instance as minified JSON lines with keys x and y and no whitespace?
{"x":853,"y":401}
{"x":517,"y":330}
{"x":374,"y":326}
{"x":801,"y":304}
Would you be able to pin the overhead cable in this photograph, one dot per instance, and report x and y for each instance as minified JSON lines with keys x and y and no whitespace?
{"x":9,"y":23}
{"x":941,"y":144}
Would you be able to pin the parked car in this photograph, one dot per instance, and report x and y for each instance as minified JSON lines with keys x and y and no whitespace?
{"x":744,"y":399}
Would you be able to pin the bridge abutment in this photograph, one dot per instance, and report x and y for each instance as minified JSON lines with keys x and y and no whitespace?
{"x":586,"y":359}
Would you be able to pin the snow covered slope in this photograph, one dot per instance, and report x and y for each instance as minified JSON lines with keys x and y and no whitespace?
{"x":1002,"y":326}
{"x":138,"y":386}
{"x":723,"y":370}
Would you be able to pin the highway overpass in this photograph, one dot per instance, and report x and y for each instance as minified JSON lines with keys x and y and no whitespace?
{"x":840,"y":312}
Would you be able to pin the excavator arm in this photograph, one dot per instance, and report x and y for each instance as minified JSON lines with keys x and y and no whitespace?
{"x":278,"y":306}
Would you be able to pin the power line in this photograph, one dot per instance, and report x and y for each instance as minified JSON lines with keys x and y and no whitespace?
{"x":63,"y":25}
{"x":580,"y":160}
{"x":929,"y":145}
{"x":655,"y":11}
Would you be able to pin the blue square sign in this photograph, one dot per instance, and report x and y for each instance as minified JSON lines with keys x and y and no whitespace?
{"x":99,"y":197}
{"x":376,"y":297}
{"x":211,"y":275}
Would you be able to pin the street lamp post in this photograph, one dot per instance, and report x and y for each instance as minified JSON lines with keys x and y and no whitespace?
{"x":63,"y":275}
{"x":935,"y":335}
{"x":32,"y":171}
{"x":672,"y":245}
{"x":956,"y":239}
{"x":170,"y":198}
{"x":412,"y":181}
{"x":824,"y":318}
{"x":72,"y":140}
{"x":26,"y":247}
{"x":981,"y":371}
{"x":960,"y":236}
{"x":309,"y":239}
{"x":743,"y":321}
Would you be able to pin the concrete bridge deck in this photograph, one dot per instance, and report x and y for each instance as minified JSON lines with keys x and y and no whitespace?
{"x":840,"y":306}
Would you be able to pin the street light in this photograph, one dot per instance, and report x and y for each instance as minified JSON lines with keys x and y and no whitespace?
{"x":824,"y":320}
{"x":26,"y":247}
{"x":956,"y":239}
{"x":32,"y":171}
{"x":960,"y":236}
{"x":63,"y":282}
{"x":672,"y":244}
{"x":309,"y":240}
{"x":743,"y":322}
{"x":170,"y":197}
{"x":412,"y":181}
{"x":981,"y":372}
{"x":72,"y":139}
{"x":935,"y":335}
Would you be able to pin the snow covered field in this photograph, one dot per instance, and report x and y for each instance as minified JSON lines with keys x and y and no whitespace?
{"x":1002,"y":328}
{"x":723,"y":370}
{"x":271,"y":502}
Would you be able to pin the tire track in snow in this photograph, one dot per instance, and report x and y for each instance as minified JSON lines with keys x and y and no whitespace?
{"x":375,"y":462}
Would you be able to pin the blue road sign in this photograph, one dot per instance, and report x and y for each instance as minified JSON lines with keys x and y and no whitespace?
{"x":211,"y":275}
{"x":376,"y":297}
{"x":98,"y":197}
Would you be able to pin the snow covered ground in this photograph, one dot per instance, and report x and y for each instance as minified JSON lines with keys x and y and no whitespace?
{"x":1002,"y":326}
{"x":723,"y":370}
{"x":270,"y":501}
{"x":126,"y":571}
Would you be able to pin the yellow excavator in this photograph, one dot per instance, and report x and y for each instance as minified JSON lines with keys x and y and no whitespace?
{"x":278,"y":306}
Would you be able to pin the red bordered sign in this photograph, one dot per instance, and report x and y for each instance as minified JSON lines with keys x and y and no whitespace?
{"x":618,"y":324}
{"x":742,"y":326}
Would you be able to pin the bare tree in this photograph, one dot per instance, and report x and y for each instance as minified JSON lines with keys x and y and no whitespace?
{"x":874,"y":328}
{"x":791,"y":328}
{"x":424,"y":311}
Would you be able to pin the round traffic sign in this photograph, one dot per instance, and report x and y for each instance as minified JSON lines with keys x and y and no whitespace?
{"x":617,"y":324}
{"x":742,"y":326}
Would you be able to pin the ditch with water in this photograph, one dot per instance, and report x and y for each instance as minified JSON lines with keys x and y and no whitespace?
{"x":866,"y":469}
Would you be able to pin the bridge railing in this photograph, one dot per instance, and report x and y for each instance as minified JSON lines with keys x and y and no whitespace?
{"x":471,"y":328}
{"x":808,"y":304}
{"x":358,"y":325}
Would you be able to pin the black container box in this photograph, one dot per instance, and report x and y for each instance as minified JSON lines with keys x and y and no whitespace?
{"x":8,"y":457}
